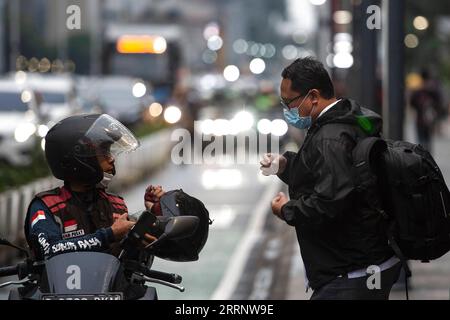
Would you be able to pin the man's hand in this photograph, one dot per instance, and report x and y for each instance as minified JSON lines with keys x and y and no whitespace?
{"x":148,"y":239}
{"x":277,"y":203}
{"x":272,"y":164}
{"x":121,"y":226}
{"x":152,"y":195}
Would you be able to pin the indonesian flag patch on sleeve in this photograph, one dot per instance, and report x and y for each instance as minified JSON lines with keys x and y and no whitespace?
{"x":70,"y":225}
{"x":39,"y":215}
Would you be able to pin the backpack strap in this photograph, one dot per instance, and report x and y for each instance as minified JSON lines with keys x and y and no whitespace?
{"x":366,"y":180}
{"x":365,"y":154}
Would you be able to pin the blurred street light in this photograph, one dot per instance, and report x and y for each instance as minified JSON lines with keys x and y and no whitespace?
{"x":211,"y":29}
{"x":270,"y":50}
{"x":42,"y":130}
{"x":242,"y":121}
{"x":24,"y":131}
{"x":25,"y":96}
{"x":57,"y":66}
{"x":215,"y":43}
{"x":342,"y":17}
{"x":172,"y":114}
{"x":300,"y":37}
{"x":279,"y":127}
{"x":343,"y":60}
{"x":240,"y":46}
{"x":343,"y":46}
{"x":155,"y":109}
{"x":420,"y":23}
{"x":231,"y":73}
{"x":290,"y":52}
{"x":257,"y":66}
{"x":411,"y":41}
{"x":209,"y":57}
{"x":139,"y":89}
{"x":317,"y":2}
{"x":20,"y":77}
{"x":33,"y":64}
{"x":44,"y":65}
{"x":264,"y":126}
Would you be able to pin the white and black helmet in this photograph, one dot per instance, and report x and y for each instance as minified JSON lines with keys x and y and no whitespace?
{"x":73,"y":144}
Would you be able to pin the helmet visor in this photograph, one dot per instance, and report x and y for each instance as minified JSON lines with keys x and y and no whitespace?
{"x":106,"y":136}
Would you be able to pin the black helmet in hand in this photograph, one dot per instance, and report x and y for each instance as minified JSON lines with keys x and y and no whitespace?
{"x":178,"y":203}
{"x":73,"y":145}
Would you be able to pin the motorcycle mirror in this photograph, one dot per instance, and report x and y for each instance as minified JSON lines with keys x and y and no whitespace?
{"x":181,"y":227}
{"x":176,"y":228}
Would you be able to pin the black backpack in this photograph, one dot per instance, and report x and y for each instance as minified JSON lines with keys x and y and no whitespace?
{"x":403,"y":183}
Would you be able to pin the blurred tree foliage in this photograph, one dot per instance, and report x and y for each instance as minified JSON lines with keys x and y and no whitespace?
{"x":12,"y":176}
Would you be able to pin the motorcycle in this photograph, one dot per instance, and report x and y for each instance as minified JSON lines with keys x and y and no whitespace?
{"x":86,"y":275}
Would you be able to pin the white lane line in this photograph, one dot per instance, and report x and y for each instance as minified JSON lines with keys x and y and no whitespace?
{"x":252,"y":233}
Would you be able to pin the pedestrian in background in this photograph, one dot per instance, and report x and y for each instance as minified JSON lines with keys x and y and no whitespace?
{"x":427,"y":103}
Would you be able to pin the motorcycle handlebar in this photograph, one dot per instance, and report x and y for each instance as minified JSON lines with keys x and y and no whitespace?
{"x":9,"y":271}
{"x":168,"y":277}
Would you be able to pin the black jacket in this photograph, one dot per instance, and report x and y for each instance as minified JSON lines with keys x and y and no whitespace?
{"x":336,"y":229}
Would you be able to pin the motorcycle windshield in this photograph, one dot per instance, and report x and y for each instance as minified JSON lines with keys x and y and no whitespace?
{"x":81,"y":272}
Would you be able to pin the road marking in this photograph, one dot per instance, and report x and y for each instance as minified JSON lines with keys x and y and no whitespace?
{"x":252,"y":233}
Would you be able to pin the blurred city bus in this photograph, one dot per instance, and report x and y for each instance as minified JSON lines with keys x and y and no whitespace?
{"x":149,"y":52}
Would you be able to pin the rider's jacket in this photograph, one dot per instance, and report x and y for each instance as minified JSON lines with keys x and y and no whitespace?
{"x":61,"y":220}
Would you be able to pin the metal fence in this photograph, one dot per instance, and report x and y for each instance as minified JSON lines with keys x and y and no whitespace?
{"x":154,"y":151}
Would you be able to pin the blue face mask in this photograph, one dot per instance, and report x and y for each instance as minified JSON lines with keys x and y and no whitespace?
{"x":292,"y":117}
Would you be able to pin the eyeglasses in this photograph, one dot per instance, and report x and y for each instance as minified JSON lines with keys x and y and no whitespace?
{"x":286,"y":104}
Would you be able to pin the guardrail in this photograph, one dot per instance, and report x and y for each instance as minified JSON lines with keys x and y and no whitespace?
{"x":154,"y":151}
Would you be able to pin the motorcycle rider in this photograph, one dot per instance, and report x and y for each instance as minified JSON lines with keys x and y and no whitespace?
{"x":81,"y":215}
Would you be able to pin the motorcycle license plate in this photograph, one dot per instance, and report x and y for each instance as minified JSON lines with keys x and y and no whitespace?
{"x":99,"y":296}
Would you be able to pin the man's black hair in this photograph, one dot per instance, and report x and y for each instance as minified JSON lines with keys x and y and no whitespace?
{"x":307,"y":74}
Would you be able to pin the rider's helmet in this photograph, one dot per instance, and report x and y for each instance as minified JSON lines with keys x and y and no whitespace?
{"x":73,"y":144}
{"x":178,"y":203}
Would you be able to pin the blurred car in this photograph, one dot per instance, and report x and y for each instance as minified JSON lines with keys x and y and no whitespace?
{"x":19,"y":122}
{"x":124,"y":98}
{"x":87,"y":94}
{"x":56,"y":96}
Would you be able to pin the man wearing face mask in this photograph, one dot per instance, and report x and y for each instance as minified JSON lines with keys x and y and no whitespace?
{"x":81,"y":215}
{"x":341,"y":238}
